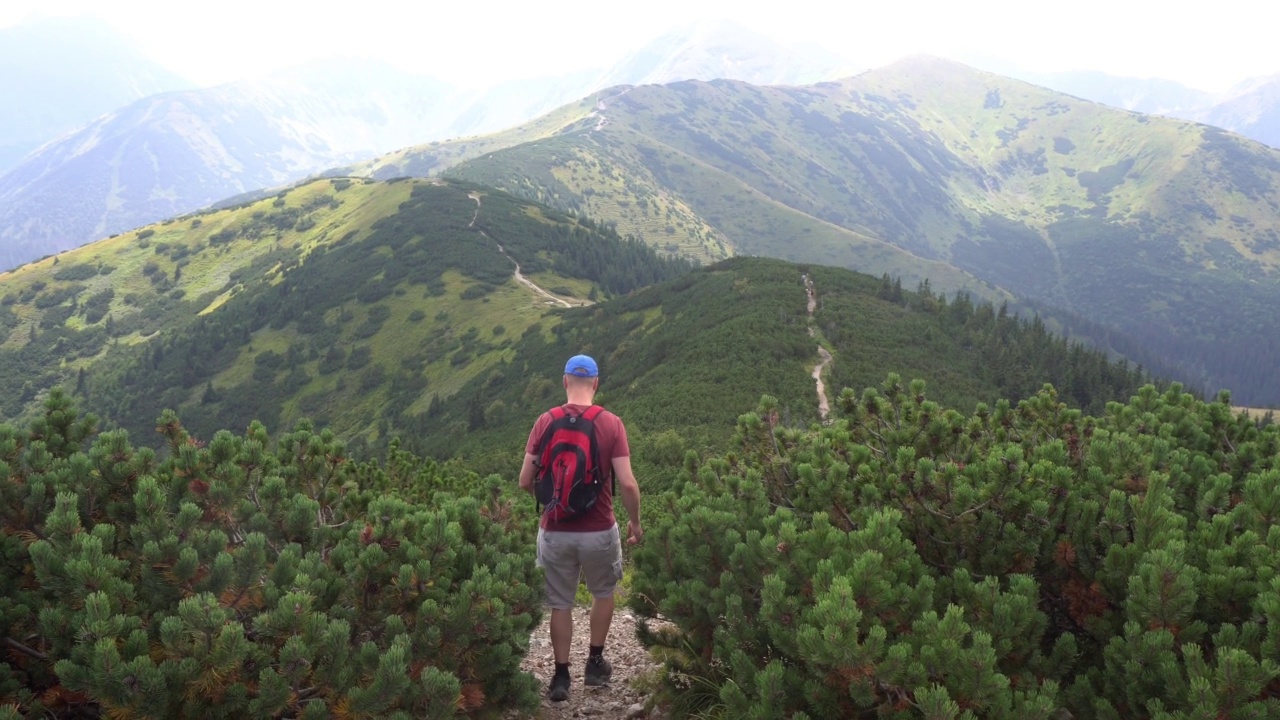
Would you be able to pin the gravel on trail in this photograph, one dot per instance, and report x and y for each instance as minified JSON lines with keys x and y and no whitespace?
{"x":616,"y":700}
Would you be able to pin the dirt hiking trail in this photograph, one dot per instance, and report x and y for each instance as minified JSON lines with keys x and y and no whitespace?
{"x":519,"y":277}
{"x":824,"y":356}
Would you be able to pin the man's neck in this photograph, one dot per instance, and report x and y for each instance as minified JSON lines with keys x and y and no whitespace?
{"x":582,"y":398}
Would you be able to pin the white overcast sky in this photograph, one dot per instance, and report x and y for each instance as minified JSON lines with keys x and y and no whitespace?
{"x":1209,"y":46}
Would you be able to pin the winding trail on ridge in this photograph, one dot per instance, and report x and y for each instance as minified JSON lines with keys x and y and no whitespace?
{"x":824,"y":356}
{"x":601,"y":105}
{"x":520,"y":278}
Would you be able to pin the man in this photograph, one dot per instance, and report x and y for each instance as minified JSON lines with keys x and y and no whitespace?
{"x":589,"y":543}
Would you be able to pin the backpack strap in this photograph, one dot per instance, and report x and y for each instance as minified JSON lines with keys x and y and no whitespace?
{"x":556,"y":413}
{"x":591,"y":414}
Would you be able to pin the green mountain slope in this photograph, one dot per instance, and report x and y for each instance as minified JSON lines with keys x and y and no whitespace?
{"x":385,"y":310}
{"x":1165,"y":230}
{"x":588,"y":158}
{"x":347,"y":301}
{"x":681,"y":360}
{"x":425,"y":160}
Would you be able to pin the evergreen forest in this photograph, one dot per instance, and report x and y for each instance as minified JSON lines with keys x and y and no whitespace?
{"x":905,"y":559}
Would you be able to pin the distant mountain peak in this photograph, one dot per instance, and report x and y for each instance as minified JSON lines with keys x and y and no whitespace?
{"x":1266,"y":84}
{"x":926,"y":60}
{"x":58,"y":74}
{"x":931,"y":64}
{"x":713,"y":48}
{"x":715,"y":31}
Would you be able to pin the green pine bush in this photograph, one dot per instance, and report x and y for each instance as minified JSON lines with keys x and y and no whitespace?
{"x":240,"y":581}
{"x":1022,"y":562}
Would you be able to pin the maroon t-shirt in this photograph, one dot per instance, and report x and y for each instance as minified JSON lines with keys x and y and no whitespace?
{"x":611,"y":438}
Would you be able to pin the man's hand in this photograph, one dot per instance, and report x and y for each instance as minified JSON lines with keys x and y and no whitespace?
{"x":630,"y":498}
{"x":527,"y":472}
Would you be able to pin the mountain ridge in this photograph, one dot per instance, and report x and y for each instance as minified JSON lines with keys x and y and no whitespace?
{"x":312,"y":301}
{"x":1250,"y":108}
{"x":1101,"y":212}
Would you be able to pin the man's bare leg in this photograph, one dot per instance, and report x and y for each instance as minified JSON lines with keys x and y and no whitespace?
{"x":562,"y":632}
{"x":601,"y":617}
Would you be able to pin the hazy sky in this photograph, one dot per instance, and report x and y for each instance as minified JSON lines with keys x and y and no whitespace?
{"x":475,"y":43}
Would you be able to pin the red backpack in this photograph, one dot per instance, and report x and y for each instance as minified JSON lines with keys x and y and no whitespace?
{"x":568,"y":475}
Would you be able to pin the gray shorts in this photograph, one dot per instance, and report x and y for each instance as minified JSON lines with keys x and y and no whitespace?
{"x":565,"y":555}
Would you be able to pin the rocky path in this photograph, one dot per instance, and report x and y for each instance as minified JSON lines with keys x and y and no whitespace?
{"x":519,"y":277}
{"x":617,"y":700}
{"x":824,"y":356}
{"x":824,"y":408}
{"x":601,"y":105}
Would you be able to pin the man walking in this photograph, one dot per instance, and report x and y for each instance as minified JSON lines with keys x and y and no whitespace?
{"x":588,"y":543}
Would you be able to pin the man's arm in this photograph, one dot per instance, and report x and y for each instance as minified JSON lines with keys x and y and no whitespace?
{"x":526,"y":473}
{"x":630,"y":497}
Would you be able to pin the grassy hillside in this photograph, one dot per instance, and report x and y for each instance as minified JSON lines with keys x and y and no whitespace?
{"x":1164,"y":230}
{"x":608,"y":165}
{"x":425,"y":160}
{"x":347,"y":301}
{"x":680,"y":361}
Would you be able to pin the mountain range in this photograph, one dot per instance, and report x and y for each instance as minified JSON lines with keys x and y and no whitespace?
{"x":703,"y":50}
{"x":1163,"y":229}
{"x":58,"y":74}
{"x":1250,"y":108}
{"x":186,"y":151}
{"x":170,"y":153}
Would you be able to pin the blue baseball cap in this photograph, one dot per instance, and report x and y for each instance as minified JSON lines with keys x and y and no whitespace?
{"x":581,"y":366}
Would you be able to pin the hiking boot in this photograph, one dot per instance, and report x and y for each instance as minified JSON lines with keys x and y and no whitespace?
{"x":598,"y":671}
{"x":559,"y":690}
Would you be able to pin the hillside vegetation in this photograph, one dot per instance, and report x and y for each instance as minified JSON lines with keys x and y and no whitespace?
{"x":344,"y":300}
{"x":1015,"y":550}
{"x":906,"y":560}
{"x":680,"y":360}
{"x":1019,"y":561}
{"x":1165,"y":230}
{"x":248,"y":578}
{"x":385,"y":309}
